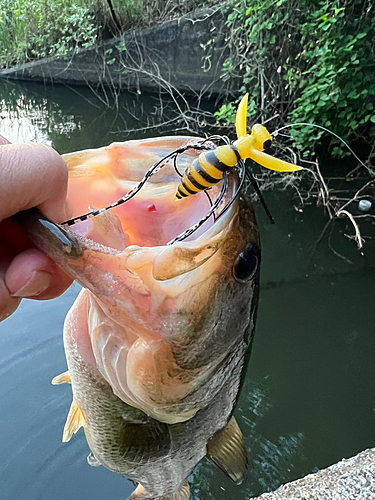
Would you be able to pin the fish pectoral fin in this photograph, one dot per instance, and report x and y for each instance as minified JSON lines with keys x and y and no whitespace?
{"x":226,"y":449}
{"x":183,"y":493}
{"x":63,"y":378}
{"x":139,"y":493}
{"x":75,"y":420}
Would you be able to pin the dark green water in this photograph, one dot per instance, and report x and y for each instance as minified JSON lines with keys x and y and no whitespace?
{"x":309,"y":395}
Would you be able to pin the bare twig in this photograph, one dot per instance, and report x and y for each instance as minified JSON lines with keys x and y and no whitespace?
{"x":358,"y":237}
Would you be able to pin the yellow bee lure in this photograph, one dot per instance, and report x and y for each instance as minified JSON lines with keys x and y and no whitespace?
{"x":208,"y":169}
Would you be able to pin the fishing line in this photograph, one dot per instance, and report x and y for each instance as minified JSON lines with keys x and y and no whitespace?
{"x":242,"y":167}
{"x":175,"y":166}
{"x":242,"y":180}
{"x":275,"y":133}
{"x":258,"y":192}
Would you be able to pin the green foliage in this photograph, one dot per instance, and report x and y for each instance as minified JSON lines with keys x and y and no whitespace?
{"x":32,"y":29}
{"x":306,"y":61}
{"x":131,"y":12}
{"x":227,"y":113}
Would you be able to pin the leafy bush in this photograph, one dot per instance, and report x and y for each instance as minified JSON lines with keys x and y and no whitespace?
{"x":306,"y":61}
{"x":32,"y":29}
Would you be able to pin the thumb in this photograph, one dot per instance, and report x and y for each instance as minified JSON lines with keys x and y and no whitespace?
{"x":31,"y":175}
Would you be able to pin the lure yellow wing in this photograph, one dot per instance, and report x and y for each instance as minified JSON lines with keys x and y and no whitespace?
{"x":272,"y":163}
{"x":241,"y":117}
{"x":252,"y":145}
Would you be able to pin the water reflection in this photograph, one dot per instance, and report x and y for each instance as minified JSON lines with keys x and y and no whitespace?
{"x":71,"y":119}
{"x":271,"y":463}
{"x":29,"y":117}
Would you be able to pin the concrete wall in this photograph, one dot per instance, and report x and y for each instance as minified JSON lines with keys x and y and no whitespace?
{"x":171,"y":53}
{"x":352,"y":479}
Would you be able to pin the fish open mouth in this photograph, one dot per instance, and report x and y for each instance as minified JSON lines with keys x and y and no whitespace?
{"x":147,"y":212}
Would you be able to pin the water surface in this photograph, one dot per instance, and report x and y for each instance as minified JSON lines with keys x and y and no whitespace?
{"x":309,"y":395}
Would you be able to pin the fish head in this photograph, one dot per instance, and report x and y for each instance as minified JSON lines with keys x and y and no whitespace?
{"x":166,"y":317}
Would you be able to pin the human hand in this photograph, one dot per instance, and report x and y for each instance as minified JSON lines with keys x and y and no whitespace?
{"x":30,"y":175}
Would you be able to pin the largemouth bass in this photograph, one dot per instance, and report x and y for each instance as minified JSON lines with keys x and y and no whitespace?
{"x":157,"y":340}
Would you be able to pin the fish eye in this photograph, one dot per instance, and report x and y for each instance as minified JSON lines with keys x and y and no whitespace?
{"x":246,"y":264}
{"x":267,"y":144}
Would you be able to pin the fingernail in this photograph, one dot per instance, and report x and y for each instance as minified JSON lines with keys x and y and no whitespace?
{"x":37,"y":284}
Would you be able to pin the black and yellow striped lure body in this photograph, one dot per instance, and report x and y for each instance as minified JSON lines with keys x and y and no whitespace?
{"x":208,"y":169}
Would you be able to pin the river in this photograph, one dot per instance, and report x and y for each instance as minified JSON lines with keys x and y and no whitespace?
{"x":309,"y":395}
